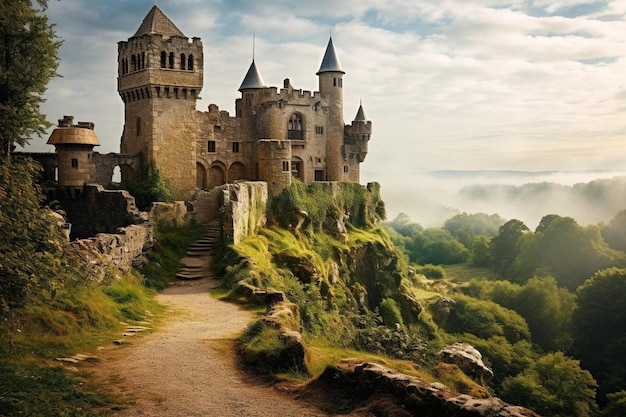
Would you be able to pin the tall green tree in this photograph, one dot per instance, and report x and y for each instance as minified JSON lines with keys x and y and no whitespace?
{"x":555,"y":386}
{"x":600,"y":328}
{"x":28,"y":60}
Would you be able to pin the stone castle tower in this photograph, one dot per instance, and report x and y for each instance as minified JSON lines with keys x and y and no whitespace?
{"x":160,"y":76}
{"x":275,"y":135}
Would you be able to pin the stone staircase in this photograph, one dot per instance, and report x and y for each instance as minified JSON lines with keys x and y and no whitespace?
{"x":198,"y":261}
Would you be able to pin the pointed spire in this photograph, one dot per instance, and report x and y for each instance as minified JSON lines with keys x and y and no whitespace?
{"x":253,"y":79}
{"x":330,"y":63}
{"x":156,"y":22}
{"x":360,"y":114}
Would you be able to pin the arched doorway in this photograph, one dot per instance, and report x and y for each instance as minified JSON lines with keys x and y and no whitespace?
{"x":201,"y":180}
{"x":216,"y":175}
{"x":237,"y":171}
{"x":297,"y":168}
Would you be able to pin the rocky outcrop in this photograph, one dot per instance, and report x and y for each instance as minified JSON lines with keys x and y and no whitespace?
{"x":467,"y":358}
{"x":387,"y":392}
{"x":243,"y":209}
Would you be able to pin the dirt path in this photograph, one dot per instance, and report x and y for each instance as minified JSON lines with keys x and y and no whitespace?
{"x":187,"y":367}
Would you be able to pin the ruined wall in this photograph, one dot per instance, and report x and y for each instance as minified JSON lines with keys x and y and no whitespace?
{"x":240,"y":207}
{"x":243,"y":209}
{"x":120,"y":251}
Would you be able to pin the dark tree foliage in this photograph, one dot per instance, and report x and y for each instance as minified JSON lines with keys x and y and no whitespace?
{"x":506,"y":245}
{"x":555,"y":385}
{"x":562,"y":248}
{"x":600,"y":328}
{"x":28,"y":60}
{"x":465,"y":227}
{"x":614,"y":233}
{"x":29,"y":235}
{"x":148,"y":189}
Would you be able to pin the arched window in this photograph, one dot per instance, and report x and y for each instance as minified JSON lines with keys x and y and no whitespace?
{"x":171,"y":60}
{"x":183,"y":61}
{"x":163,"y":59}
{"x":143,"y":60}
{"x":190,"y":62}
{"x":133,"y":63}
{"x":294,"y":127}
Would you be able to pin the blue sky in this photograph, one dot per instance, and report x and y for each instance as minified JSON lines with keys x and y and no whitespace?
{"x":452,"y":84}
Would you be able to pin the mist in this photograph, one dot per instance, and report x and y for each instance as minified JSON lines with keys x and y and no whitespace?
{"x":431,"y":197}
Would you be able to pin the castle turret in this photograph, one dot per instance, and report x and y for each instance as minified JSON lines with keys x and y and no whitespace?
{"x":74,"y":147}
{"x":356,"y":138}
{"x":331,"y":86}
{"x":160,"y":76}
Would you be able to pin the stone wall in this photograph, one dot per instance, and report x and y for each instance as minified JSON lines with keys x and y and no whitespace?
{"x":240,"y":207}
{"x":120,"y":251}
{"x":243,"y":209}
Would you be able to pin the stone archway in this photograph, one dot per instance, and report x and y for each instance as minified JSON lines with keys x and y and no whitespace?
{"x":237,"y":171}
{"x":201,"y":176}
{"x":216,"y":175}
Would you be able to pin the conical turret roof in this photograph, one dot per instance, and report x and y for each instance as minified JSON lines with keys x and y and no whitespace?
{"x":360,"y":114}
{"x":156,"y":22}
{"x":330,"y":63}
{"x":253,"y":79}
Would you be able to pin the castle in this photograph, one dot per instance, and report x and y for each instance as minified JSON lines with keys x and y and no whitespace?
{"x":275,"y":135}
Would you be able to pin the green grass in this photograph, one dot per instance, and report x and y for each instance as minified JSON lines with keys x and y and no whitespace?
{"x":464,"y":273}
{"x":29,"y":390}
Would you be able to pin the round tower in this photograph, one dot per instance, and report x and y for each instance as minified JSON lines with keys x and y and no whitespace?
{"x":160,"y":76}
{"x":331,"y":87}
{"x":74,"y":147}
{"x":275,"y":164}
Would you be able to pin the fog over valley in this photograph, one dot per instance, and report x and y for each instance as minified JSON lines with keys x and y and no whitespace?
{"x":431,"y":197}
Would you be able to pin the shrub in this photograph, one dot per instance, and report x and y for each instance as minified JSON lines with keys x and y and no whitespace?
{"x":431,"y":271}
{"x":390,"y":313}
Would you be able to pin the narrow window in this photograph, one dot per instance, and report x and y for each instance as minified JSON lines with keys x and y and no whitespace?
{"x":171,"y":60}
{"x":133,"y":63}
{"x":319,"y":130}
{"x":190,"y":63}
{"x":345,"y":169}
{"x":138,"y":126}
{"x":285,"y":166}
{"x":211,"y":146}
{"x":334,"y":82}
{"x":143,"y":60}
{"x":163,"y":59}
{"x":235,"y":147}
{"x":248,"y":99}
{"x":183,"y":61}
{"x":341,"y":82}
{"x":74,"y":163}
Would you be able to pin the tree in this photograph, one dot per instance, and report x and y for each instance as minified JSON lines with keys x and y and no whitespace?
{"x":600,"y":328}
{"x":555,"y":386}
{"x":614,"y":233}
{"x":29,"y":235}
{"x":505,"y":246}
{"x":28,"y":60}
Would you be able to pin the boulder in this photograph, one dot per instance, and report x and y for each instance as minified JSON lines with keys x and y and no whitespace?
{"x":467,"y":358}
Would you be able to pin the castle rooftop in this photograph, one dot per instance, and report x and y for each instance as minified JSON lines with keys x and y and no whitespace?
{"x":71,"y":134}
{"x":253,"y":79}
{"x":330,"y":62}
{"x":156,"y":22}
{"x":360,"y":114}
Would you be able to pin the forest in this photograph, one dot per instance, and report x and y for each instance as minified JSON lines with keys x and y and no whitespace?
{"x":536,"y":303}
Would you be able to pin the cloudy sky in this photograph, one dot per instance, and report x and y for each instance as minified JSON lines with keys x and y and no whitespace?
{"x":451,"y":84}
